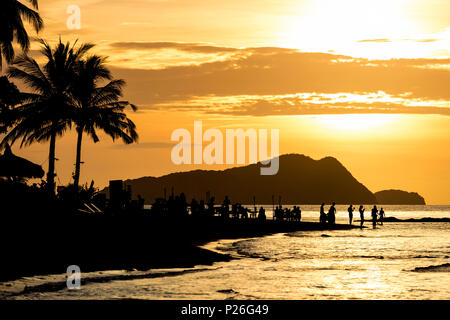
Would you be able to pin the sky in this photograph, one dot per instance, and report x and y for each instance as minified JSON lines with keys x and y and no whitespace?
{"x":364,"y":81}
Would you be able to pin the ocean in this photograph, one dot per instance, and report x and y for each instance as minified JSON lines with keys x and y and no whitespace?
{"x":406,"y":260}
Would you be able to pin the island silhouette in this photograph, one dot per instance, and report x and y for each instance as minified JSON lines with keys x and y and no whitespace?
{"x":300,"y":180}
{"x":399,"y":197}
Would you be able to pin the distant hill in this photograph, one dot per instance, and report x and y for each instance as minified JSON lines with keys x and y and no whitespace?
{"x":300,"y":180}
{"x":398,"y":197}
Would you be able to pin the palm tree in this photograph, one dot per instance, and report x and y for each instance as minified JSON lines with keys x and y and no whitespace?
{"x":47,"y":112}
{"x":12,"y":14}
{"x":99,"y":107}
{"x":10,"y":97}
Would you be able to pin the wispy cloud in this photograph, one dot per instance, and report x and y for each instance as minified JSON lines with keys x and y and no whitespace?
{"x":143,"y":145}
{"x":385,"y":40}
{"x":311,"y":103}
{"x":270,"y":81}
{"x":376,"y":40}
{"x":190,"y":47}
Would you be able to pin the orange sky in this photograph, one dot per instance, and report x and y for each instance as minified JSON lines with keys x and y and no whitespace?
{"x":364,"y":81}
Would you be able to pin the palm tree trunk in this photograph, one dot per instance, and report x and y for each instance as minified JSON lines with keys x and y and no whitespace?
{"x":76,"y":177}
{"x":51,"y":165}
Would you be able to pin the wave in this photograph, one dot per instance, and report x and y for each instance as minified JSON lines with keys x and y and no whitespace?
{"x":254,"y":255}
{"x":236,"y":295}
{"x":427,"y":257}
{"x":325,"y":235}
{"x":424,"y":219}
{"x":439,"y":268}
{"x":61,"y":285}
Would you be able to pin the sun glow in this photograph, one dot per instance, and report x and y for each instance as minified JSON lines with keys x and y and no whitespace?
{"x":339,"y":26}
{"x":356,"y":122}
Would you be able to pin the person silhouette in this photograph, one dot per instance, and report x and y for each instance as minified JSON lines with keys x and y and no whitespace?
{"x":350,"y":213}
{"x":262,"y":214}
{"x":226,"y":207}
{"x":332,"y":214}
{"x":381,"y":216}
{"x":361,"y":214}
{"x":195,"y":207}
{"x":201,"y":207}
{"x":374,"y":216}
{"x":235,"y":210}
{"x":183,"y":204}
{"x":211,"y":206}
{"x":323,"y":216}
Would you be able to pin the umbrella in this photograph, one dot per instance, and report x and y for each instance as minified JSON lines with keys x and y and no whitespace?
{"x":14,"y":166}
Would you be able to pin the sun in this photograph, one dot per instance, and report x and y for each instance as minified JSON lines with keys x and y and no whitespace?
{"x":326,"y":25}
{"x":356,"y":122}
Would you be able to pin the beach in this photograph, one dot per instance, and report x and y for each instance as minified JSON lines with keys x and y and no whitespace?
{"x":407,"y":260}
{"x":105,"y":243}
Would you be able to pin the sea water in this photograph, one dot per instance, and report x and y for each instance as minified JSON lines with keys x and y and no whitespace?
{"x":406,"y":260}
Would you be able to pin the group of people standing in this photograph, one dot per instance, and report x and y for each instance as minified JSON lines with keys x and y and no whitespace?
{"x":330,"y":216}
{"x":294,"y":214}
{"x":177,"y":205}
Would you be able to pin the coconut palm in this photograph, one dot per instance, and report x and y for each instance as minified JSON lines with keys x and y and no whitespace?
{"x":98,"y":107}
{"x":12,"y":14}
{"x":46,"y":112}
{"x":10,"y":97}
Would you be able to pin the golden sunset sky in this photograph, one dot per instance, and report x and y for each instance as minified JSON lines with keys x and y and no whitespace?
{"x":367,"y":82}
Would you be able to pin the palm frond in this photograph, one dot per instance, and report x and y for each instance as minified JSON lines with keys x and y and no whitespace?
{"x":34,"y":3}
{"x":30,"y":15}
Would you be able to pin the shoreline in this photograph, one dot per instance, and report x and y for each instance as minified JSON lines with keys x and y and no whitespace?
{"x":126,"y":244}
{"x":425,"y":219}
{"x":394,"y":219}
{"x":141,"y":243}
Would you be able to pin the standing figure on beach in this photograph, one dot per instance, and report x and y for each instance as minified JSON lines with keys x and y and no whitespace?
{"x":381,"y":216}
{"x":183,"y":204}
{"x":262,"y":214}
{"x":211,"y":206}
{"x":323,"y":215}
{"x":374,"y":216}
{"x":287,"y":214}
{"x":242,"y":212}
{"x":279,"y":213}
{"x":332,"y":214}
{"x":298,"y":214}
{"x":350,"y":214}
{"x":201,"y":207}
{"x":361,"y":214}
{"x":226,"y":207}
{"x":234,"y":210}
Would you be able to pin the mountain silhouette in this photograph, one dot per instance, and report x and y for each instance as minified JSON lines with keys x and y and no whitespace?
{"x":300,"y":180}
{"x":399,"y":197}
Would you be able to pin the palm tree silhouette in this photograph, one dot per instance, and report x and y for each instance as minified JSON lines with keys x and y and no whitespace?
{"x":12,"y":14}
{"x":47,"y":112}
{"x":99,"y":107}
{"x":10,"y":97}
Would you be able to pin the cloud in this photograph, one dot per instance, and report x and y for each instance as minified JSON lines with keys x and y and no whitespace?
{"x":376,"y":40}
{"x":160,"y":55}
{"x":190,"y":47}
{"x":422,"y":40}
{"x":144,"y":145}
{"x":385,"y":40}
{"x":312,"y":103}
{"x":262,"y":73}
{"x":275,"y":81}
